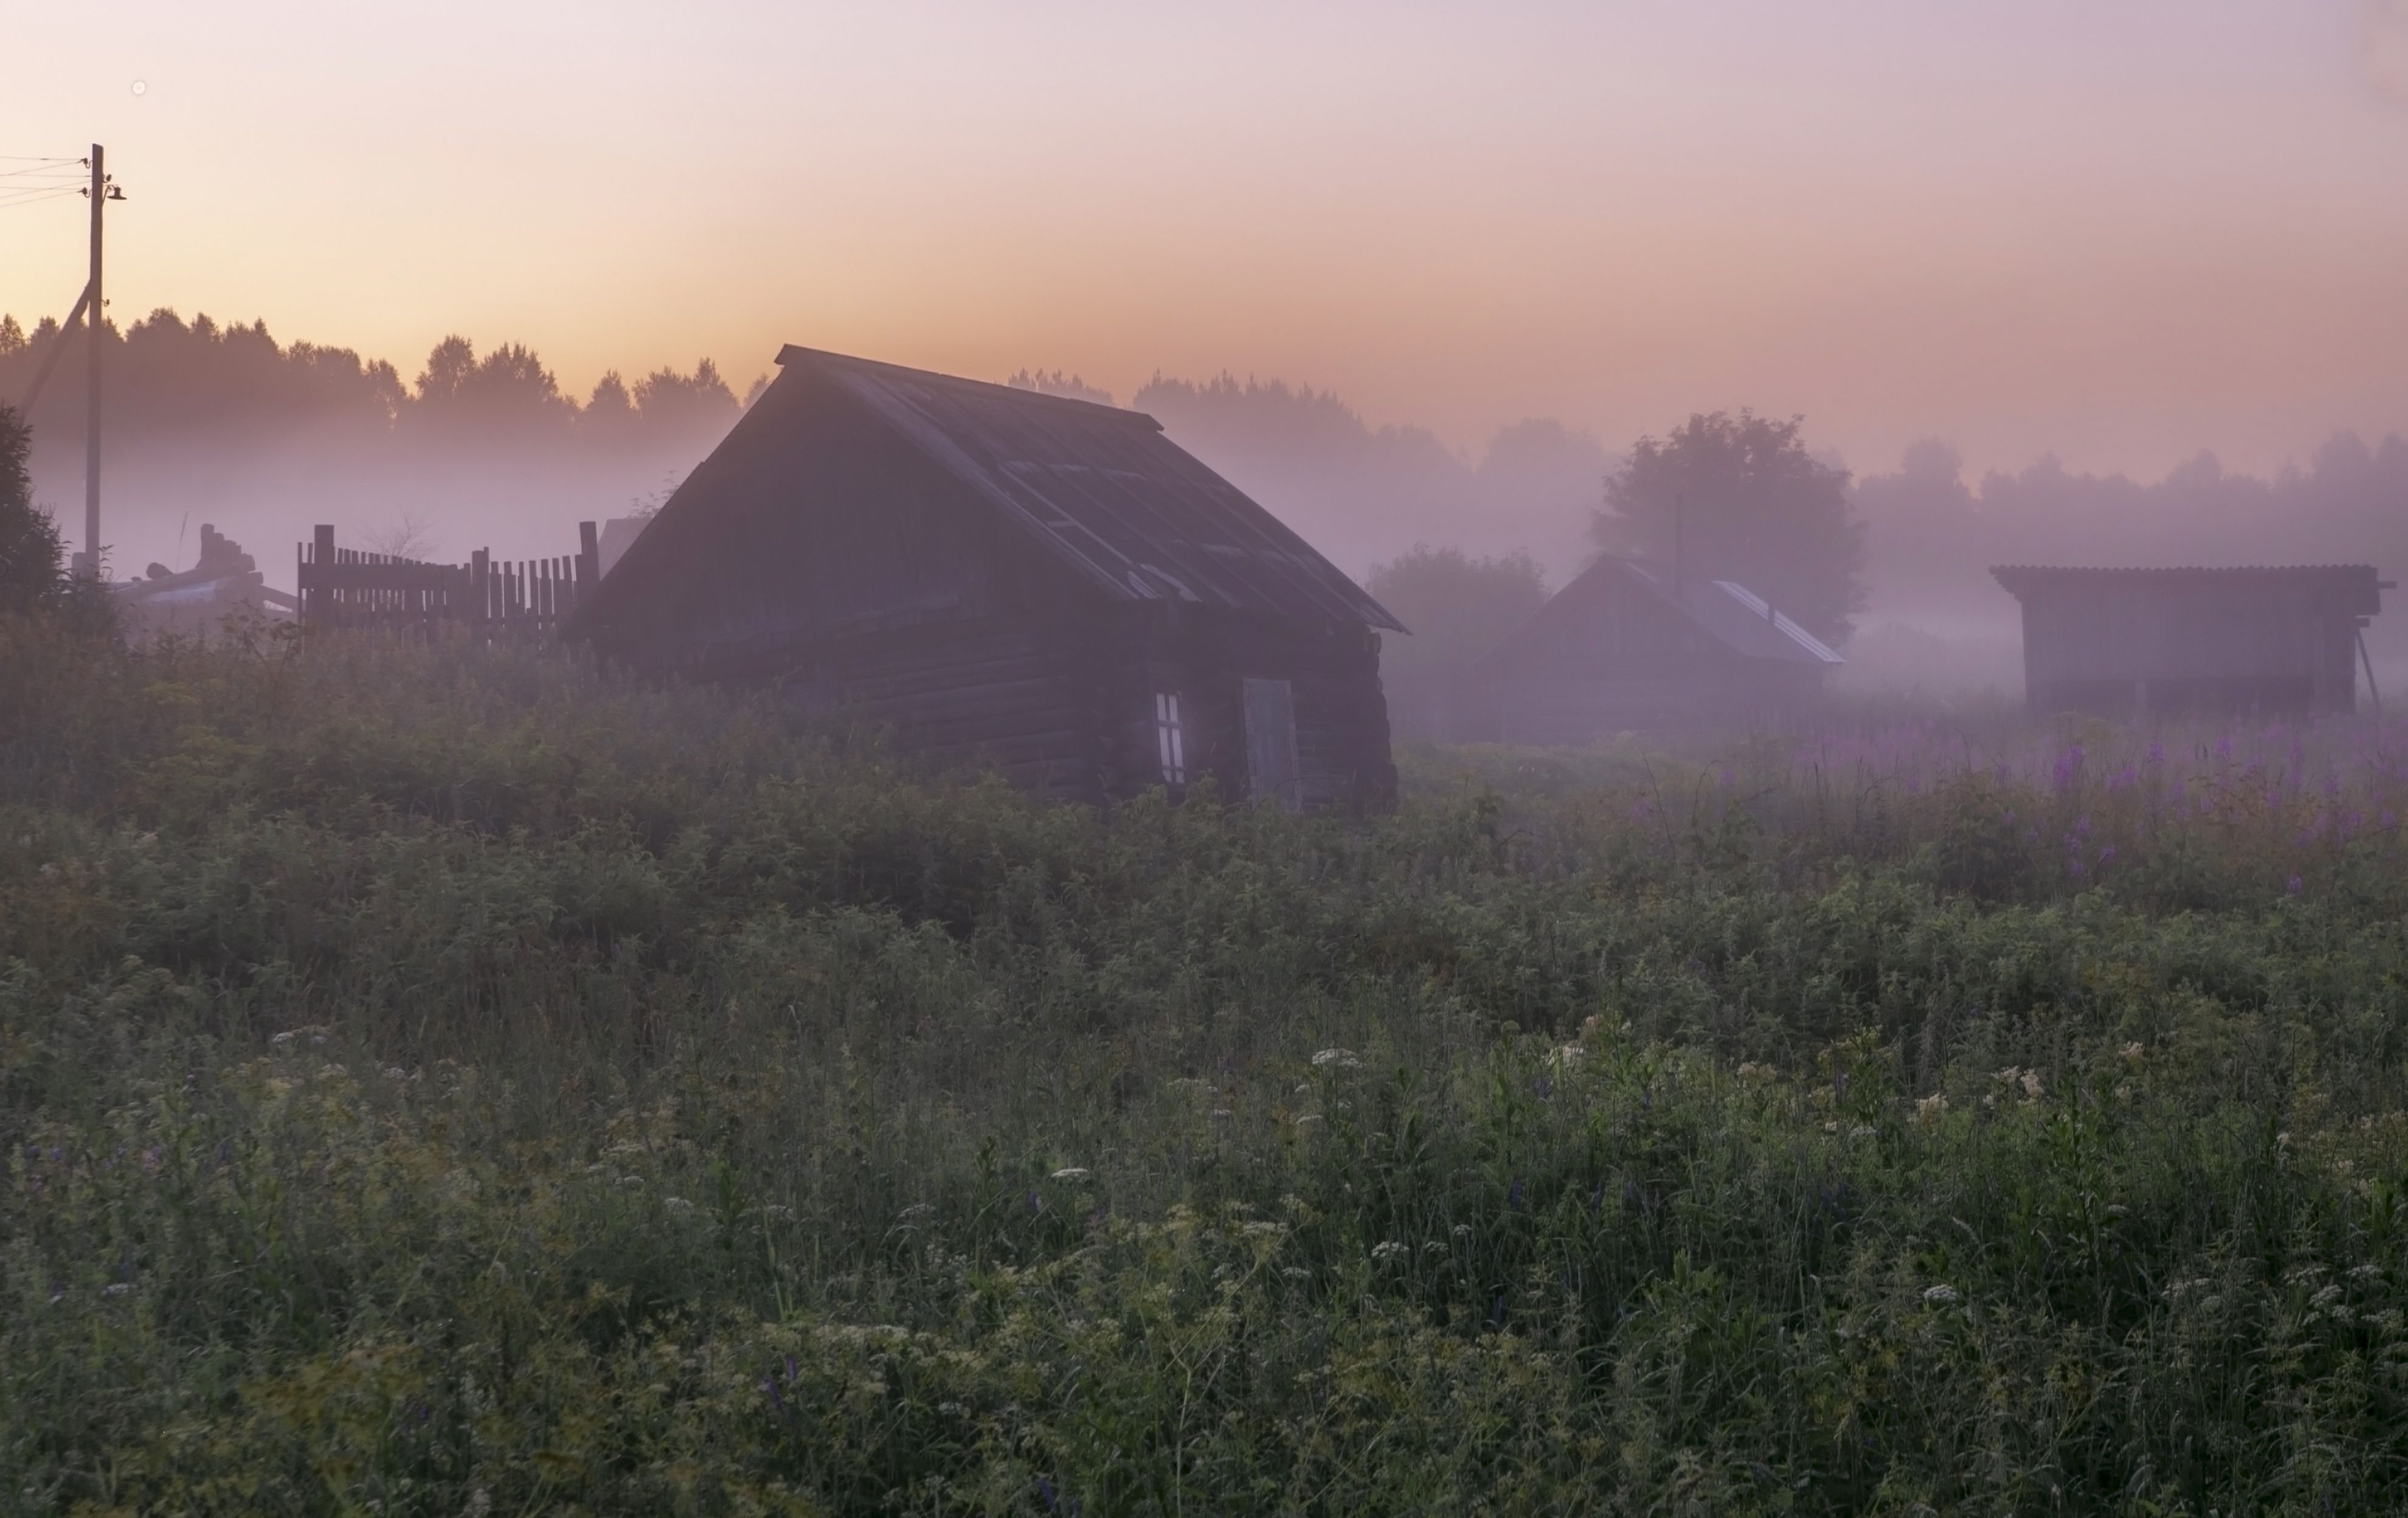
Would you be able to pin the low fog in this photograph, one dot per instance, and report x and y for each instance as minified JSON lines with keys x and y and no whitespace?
{"x":475,"y":447}
{"x":466,"y":449}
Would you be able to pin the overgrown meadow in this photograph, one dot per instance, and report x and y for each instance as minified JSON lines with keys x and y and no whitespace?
{"x":454,"y":1080}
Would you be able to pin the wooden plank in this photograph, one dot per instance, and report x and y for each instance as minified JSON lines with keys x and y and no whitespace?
{"x":377,"y":577}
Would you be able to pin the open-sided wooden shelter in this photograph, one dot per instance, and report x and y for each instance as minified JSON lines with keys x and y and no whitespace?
{"x":2194,"y":642}
{"x":1000,"y":577}
{"x":1631,"y":645}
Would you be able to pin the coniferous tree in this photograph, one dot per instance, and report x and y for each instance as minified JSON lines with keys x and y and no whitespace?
{"x":29,"y":540}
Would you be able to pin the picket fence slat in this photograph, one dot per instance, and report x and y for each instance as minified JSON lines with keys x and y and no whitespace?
{"x":349,"y":587}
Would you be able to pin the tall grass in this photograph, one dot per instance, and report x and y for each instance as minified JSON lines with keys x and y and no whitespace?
{"x":443,"y":1080}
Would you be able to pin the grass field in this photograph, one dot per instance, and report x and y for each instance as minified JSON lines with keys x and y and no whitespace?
{"x":442,"y":1082}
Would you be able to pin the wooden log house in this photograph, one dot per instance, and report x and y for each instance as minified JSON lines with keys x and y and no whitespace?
{"x":1632,"y":645}
{"x":998,"y":577}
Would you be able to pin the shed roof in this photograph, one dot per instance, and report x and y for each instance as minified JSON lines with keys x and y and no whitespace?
{"x":1730,"y":613}
{"x":1099,"y":488}
{"x":2345,"y":589}
{"x":1106,"y":491}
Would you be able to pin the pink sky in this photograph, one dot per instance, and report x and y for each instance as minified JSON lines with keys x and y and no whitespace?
{"x":2123,"y":230}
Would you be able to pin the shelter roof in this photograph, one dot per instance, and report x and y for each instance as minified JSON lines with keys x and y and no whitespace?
{"x":2353,"y":589}
{"x":1730,"y":613}
{"x":1106,"y":491}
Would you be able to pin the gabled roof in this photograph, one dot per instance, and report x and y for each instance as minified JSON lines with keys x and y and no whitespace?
{"x":1743,"y":620}
{"x":1105,"y":491}
{"x":1724,"y":609}
{"x":2352,"y":588}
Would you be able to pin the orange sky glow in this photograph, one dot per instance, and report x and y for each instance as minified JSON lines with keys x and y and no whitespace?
{"x":2121,"y":232}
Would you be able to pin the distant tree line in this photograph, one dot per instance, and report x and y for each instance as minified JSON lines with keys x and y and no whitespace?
{"x":1536,"y":502}
{"x":224,"y":424}
{"x":167,"y":376}
{"x":1933,"y":534}
{"x":2348,"y":504}
{"x":1358,"y":492}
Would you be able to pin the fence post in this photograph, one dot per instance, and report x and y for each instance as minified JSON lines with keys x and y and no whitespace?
{"x":589,"y":559}
{"x":319,"y":602}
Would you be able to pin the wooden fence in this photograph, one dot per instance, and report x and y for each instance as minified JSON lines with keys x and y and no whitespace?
{"x":346,"y":587}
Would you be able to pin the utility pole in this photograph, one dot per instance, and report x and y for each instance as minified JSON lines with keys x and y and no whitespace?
{"x":101,"y":193}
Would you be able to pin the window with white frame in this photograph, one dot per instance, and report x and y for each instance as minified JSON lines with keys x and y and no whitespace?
{"x":1169,"y":737}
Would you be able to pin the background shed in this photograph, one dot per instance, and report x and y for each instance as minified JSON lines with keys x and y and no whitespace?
{"x":2184,"y":642}
{"x":1632,"y":645}
{"x":1040,"y":584}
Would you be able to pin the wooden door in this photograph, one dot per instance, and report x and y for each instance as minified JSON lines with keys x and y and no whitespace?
{"x":1270,"y":744}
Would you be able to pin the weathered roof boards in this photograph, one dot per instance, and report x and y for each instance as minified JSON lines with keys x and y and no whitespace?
{"x":1632,"y":645}
{"x":1043,"y":585}
{"x":2185,"y":642}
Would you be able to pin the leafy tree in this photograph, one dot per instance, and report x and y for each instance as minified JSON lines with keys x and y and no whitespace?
{"x":697,"y":404}
{"x":29,"y":540}
{"x":1458,"y":609}
{"x":1743,"y":500}
{"x":507,"y":389}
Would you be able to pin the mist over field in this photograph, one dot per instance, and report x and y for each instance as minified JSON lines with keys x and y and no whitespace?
{"x":473,"y":448}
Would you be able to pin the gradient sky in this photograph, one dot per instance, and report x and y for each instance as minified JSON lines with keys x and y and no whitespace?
{"x":2122,"y":229}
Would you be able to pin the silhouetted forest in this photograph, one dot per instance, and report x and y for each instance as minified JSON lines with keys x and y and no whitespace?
{"x":166,"y":376}
{"x":1363,"y":494}
{"x":1932,"y":536}
{"x":224,"y":423}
